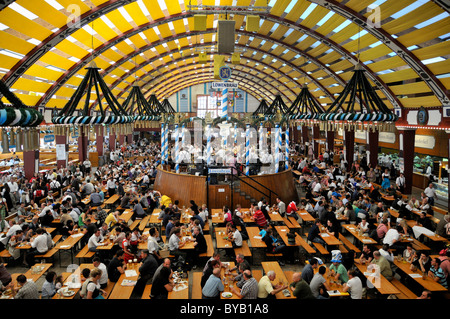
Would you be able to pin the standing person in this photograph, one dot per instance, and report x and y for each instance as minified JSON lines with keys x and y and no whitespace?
{"x":200,"y":245}
{"x":430,"y":192}
{"x":400,"y":182}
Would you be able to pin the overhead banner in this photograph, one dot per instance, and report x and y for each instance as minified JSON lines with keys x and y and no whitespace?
{"x":224,"y":85}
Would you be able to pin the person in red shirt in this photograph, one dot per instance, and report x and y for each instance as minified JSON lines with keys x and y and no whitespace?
{"x":259,"y":218}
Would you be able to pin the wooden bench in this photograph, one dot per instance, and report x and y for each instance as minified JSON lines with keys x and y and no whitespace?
{"x":304,"y":244}
{"x":134,"y":224}
{"x":244,"y":250}
{"x":109,"y":287}
{"x":348,"y":244}
{"x":321,"y":249}
{"x":209,"y":243}
{"x":4,"y":255}
{"x":196,"y":292}
{"x":148,"y":289}
{"x":405,"y":293}
{"x":144,"y":222}
{"x":84,"y":253}
{"x":440,"y":210}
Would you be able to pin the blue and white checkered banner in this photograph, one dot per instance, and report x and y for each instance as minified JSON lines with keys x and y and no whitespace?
{"x":247,"y":150}
{"x":286,"y":161}
{"x":224,"y":103}
{"x":277,"y":148}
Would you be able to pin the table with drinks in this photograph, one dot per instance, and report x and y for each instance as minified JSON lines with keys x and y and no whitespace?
{"x":380,"y":282}
{"x":125,"y":285}
{"x":417,"y":275}
{"x":280,"y":278}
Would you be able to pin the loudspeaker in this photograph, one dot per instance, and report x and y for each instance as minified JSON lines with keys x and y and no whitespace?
{"x":225,"y":36}
{"x":202,"y":58}
{"x":236,"y":58}
{"x":200,"y":22}
{"x":252,"y":24}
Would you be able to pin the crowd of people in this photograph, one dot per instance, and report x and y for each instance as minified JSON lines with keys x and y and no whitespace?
{"x":333,"y":192}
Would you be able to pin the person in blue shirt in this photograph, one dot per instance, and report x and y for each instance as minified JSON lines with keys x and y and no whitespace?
{"x":213,"y":286}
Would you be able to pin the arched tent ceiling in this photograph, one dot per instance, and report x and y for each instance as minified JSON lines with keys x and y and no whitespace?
{"x":44,"y":51}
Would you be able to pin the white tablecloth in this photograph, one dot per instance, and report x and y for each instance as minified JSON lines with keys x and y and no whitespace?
{"x":419,"y":230}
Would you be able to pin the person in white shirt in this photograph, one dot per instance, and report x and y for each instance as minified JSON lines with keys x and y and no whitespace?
{"x":96,"y":261}
{"x":152,"y":243}
{"x":400,"y":182}
{"x":39,"y":245}
{"x":392,"y":237}
{"x":87,"y":166}
{"x":430,"y":192}
{"x":203,"y":213}
{"x":317,"y":188}
{"x":95,"y":240}
{"x":237,"y":237}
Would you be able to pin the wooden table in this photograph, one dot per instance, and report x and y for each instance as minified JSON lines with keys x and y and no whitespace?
{"x":126,"y":215}
{"x":112,"y":200}
{"x":78,"y":278}
{"x":221,"y":242}
{"x":124,"y":292}
{"x":305,"y":216}
{"x":275,"y":217}
{"x":427,"y":283}
{"x":336,"y":290}
{"x":279,"y":277}
{"x":283,"y":231}
{"x":217,"y":216}
{"x":363,"y":239}
{"x":32,"y":273}
{"x":229,"y":280}
{"x":180,"y":290}
{"x":255,"y":238}
{"x":329,"y":239}
{"x":69,"y":243}
{"x":383,"y":286}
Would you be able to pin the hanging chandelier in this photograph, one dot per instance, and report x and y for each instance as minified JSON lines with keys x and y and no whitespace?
{"x":18,"y":123}
{"x":358,"y":107}
{"x":305,"y":108}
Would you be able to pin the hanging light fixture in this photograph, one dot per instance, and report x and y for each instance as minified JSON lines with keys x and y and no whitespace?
{"x":358,"y":107}
{"x":305,"y":107}
{"x":92,"y":80}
